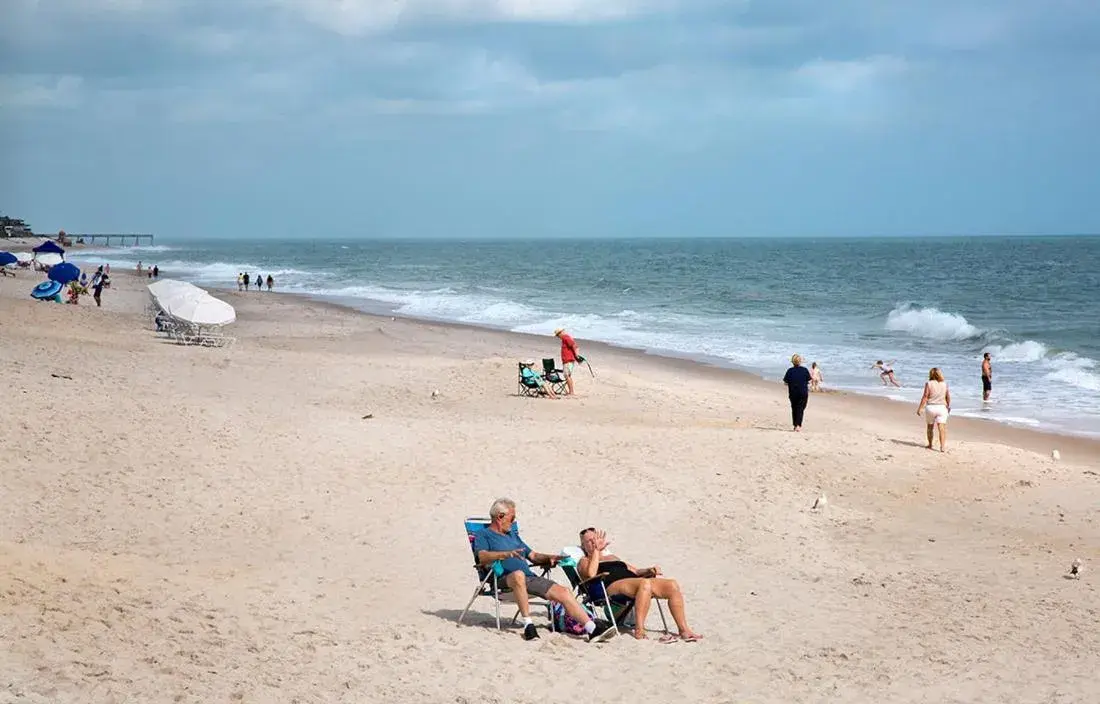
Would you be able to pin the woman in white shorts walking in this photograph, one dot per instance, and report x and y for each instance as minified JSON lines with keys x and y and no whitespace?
{"x":936,"y":406}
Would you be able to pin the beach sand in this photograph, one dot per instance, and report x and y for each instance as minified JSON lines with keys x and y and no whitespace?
{"x":186,"y":524}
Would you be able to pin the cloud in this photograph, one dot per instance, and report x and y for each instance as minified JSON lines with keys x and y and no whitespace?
{"x":30,"y":91}
{"x":846,"y":77}
{"x":364,"y":16}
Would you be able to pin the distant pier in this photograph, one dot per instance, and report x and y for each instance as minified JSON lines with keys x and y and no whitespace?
{"x":110,"y":239}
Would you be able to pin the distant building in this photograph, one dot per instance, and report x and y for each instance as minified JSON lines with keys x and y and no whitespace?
{"x":14,"y":227}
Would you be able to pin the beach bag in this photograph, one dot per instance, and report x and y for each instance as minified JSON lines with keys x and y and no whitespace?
{"x":564,"y":623}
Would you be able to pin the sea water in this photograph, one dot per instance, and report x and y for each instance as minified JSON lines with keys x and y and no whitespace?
{"x":744,"y":303}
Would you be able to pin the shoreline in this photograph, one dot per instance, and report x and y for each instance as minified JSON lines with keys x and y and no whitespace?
{"x":1040,"y":440}
{"x":977,"y":429}
{"x":1046,"y":418}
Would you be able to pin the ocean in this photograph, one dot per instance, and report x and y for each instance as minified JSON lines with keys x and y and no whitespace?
{"x":742,"y":303}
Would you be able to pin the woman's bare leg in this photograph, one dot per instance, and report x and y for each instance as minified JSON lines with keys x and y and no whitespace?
{"x":641,"y":591}
{"x":930,"y":432}
{"x":669,"y":589}
{"x":943,"y":437}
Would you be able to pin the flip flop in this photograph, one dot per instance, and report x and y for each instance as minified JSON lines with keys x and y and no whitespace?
{"x":668,"y":638}
{"x":691,"y":639}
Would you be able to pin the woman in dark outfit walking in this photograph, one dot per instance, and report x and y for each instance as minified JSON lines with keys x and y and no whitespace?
{"x":797,"y":380}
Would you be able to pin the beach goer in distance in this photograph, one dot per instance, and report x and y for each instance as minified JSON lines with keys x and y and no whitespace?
{"x":240,"y":281}
{"x":497,"y":542}
{"x":270,"y":282}
{"x":532,"y":377}
{"x":815,"y":377}
{"x":987,"y":376}
{"x":640,"y":584}
{"x":936,"y":405}
{"x":97,"y":287}
{"x":246,"y":281}
{"x":139,"y":267}
{"x":156,"y":271}
{"x":886,"y":372}
{"x":797,"y":380}
{"x":569,"y":357}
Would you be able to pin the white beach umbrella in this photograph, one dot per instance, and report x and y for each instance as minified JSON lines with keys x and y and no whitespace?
{"x":200,"y":310}
{"x":49,"y":259}
{"x":168,"y":289}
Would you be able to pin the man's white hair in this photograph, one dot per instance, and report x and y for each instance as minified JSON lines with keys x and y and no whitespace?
{"x":501,"y":507}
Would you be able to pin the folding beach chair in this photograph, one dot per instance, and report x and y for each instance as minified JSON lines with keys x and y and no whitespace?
{"x":592,"y":592}
{"x":529,"y":387}
{"x":491,"y":581}
{"x":554,"y":376}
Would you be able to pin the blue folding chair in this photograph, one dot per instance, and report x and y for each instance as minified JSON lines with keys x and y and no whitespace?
{"x":491,"y":579}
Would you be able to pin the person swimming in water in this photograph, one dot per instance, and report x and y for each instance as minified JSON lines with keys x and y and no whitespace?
{"x":886,"y":372}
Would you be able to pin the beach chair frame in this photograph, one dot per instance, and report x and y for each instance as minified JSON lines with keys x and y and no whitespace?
{"x":490,"y":586}
{"x":592,"y":592}
{"x":554,"y":376}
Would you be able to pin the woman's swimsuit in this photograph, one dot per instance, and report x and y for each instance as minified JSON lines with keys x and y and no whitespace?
{"x":616,"y":570}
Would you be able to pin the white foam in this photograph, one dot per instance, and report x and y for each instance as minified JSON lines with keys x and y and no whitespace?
{"x":1073,"y":370}
{"x":930,"y":323}
{"x":1027,"y":351}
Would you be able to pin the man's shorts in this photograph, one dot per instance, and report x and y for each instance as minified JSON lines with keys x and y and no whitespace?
{"x":569,"y":368}
{"x":539,"y":586}
{"x":987,"y":384}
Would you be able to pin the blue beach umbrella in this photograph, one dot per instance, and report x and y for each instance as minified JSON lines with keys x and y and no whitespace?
{"x":46,"y":289}
{"x":64,"y":272}
{"x":7,"y":258}
{"x":49,"y":248}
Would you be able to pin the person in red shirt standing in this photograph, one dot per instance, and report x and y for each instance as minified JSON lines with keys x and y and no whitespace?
{"x":569,"y":357}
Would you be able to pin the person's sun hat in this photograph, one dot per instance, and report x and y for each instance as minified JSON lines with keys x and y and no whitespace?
{"x":559,"y":331}
{"x":529,"y":363}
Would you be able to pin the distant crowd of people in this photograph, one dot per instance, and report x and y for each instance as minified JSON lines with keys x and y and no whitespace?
{"x":934,"y":405}
{"x":246,"y":281}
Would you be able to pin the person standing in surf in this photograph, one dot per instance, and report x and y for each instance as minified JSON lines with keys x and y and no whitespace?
{"x":816,"y":378}
{"x":797,"y":380}
{"x":987,"y":376}
{"x":569,"y":357}
{"x":886,"y":372}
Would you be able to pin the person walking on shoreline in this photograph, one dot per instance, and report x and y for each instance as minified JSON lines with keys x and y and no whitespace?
{"x":569,"y":358}
{"x":987,"y":376}
{"x":936,"y":405}
{"x":797,"y":380}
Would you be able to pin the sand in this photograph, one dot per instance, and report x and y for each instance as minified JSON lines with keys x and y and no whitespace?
{"x":185,"y":524}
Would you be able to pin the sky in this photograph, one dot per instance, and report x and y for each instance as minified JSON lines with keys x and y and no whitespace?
{"x":580,"y":118}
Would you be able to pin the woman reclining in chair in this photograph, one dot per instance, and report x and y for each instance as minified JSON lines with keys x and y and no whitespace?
{"x":533,"y":379}
{"x":641,"y":585}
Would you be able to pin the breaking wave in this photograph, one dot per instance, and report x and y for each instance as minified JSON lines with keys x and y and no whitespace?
{"x":930,"y":323}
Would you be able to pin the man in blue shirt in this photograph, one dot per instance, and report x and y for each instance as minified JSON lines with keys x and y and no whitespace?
{"x":499,"y":543}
